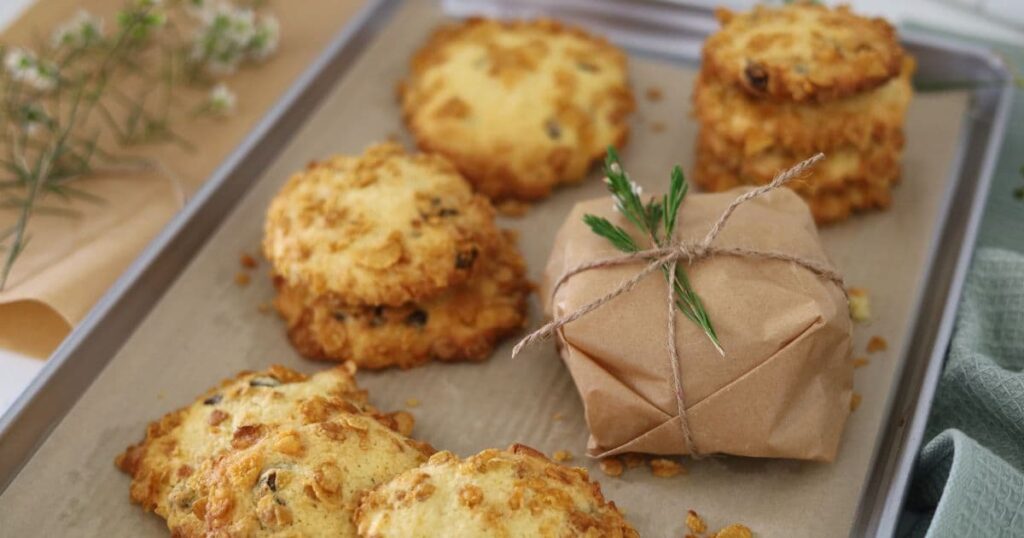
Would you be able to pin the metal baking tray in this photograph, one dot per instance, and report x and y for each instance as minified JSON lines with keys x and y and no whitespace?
{"x":655,"y":28}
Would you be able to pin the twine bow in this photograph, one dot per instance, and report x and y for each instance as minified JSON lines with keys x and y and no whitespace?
{"x":671,"y":255}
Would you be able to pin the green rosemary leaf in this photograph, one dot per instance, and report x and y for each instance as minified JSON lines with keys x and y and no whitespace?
{"x":649,"y":218}
{"x":676,"y":192}
{"x":615,"y":235}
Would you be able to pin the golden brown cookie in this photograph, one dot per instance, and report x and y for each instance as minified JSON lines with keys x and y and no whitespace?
{"x":234,"y":415}
{"x":462,"y":323}
{"x":296,"y":481}
{"x":519,"y":107}
{"x":873,"y":117}
{"x":496,"y":493}
{"x":847,"y":180}
{"x":802,"y":51}
{"x":383,"y":228}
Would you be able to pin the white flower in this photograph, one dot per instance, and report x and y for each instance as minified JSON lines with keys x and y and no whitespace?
{"x":32,"y":118}
{"x":24,"y":66}
{"x":637,"y":189}
{"x":230,"y":34}
{"x":265,"y":39}
{"x":221,"y":100}
{"x":81,"y":30}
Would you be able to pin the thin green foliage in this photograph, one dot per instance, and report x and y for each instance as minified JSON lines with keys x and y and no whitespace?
{"x":656,"y":219}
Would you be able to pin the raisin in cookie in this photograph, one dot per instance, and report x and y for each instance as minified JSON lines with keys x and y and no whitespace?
{"x":865,"y":120}
{"x":462,"y":323}
{"x":297,"y":481}
{"x":802,"y":52}
{"x":383,"y":228}
{"x":519,"y":107}
{"x":496,"y":493}
{"x":234,"y":415}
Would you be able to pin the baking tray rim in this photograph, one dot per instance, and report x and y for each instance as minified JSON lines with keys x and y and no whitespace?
{"x":345,"y":47}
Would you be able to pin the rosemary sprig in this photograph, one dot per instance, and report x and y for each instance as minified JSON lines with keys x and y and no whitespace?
{"x":652,"y":218}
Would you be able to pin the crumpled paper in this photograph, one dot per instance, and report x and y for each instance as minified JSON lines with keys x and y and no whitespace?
{"x":783,"y":388}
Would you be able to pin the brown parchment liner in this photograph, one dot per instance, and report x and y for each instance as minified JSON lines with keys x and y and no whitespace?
{"x":784,"y":387}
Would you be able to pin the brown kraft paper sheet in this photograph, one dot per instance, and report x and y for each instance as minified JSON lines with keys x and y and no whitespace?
{"x":70,"y":262}
{"x":783,"y":387}
{"x":205,"y":328}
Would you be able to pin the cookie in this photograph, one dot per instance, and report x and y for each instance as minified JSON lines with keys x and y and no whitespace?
{"x":871,"y":118}
{"x":463,"y":323}
{"x":296,"y":481}
{"x":847,"y":181}
{"x":383,"y":228}
{"x":236,"y":414}
{"x":802,"y":51}
{"x":519,"y":107}
{"x":496,"y":493}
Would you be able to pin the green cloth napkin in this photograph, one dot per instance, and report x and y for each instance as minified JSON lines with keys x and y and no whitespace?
{"x":969,"y":479}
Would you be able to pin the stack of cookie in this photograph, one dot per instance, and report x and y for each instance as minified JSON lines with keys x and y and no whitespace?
{"x":780,"y":84}
{"x":266,"y":449}
{"x":390,"y":259}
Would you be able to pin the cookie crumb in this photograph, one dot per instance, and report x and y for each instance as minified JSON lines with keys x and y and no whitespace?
{"x":412,"y":402}
{"x":657,"y":126}
{"x":561,"y":455}
{"x":665,"y":468}
{"x":248,"y":261}
{"x":877,"y":343}
{"x":654,"y":94}
{"x":734,"y":531}
{"x":860,"y":362}
{"x":860,"y":305}
{"x":632,"y":460}
{"x":611,"y":466}
{"x":855,"y":401}
{"x":557,"y":416}
{"x":512,"y":208}
{"x":695,"y":523}
{"x":242,"y":278}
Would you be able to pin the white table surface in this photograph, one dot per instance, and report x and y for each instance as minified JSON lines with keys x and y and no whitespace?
{"x":17,"y":371}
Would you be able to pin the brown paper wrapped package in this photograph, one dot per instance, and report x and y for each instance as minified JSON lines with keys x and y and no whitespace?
{"x":783,"y":388}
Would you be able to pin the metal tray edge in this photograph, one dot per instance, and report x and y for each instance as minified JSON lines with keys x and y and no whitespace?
{"x":15,"y":450}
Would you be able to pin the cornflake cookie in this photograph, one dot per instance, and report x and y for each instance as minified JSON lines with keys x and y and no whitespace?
{"x":519,"y":107}
{"x":462,"y":323}
{"x":296,"y":481}
{"x":862,"y":121}
{"x":846,"y":181}
{"x":496,"y":493}
{"x":802,"y":52}
{"x":233,"y":416}
{"x":383,"y":228}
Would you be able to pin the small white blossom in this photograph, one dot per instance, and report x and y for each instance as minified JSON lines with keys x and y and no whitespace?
{"x":81,"y":30}
{"x":264,"y":42}
{"x":230,"y":35}
{"x":221,"y":100}
{"x":637,"y":189}
{"x":32,"y":118}
{"x":24,"y":66}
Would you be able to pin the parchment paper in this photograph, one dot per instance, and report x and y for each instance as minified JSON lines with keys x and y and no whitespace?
{"x":206,"y":328}
{"x":70,"y":262}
